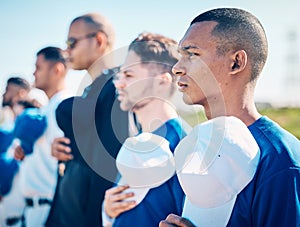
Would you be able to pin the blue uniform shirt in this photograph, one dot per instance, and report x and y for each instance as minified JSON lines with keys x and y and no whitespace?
{"x":272,"y":198}
{"x":160,"y":201}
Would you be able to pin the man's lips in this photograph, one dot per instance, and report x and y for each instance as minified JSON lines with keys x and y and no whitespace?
{"x":120,"y":95}
{"x":181,"y":86}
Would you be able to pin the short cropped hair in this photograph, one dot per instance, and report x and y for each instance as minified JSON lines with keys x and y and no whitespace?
{"x":155,"y":48}
{"x":20,"y":82}
{"x":53,"y":54}
{"x":158,"y":50}
{"x":98,"y":23}
{"x":238,"y":29}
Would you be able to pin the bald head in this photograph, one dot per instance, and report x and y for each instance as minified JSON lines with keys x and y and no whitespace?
{"x":98,"y":23}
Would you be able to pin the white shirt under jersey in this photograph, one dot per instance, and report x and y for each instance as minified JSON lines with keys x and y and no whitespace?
{"x":38,"y":171}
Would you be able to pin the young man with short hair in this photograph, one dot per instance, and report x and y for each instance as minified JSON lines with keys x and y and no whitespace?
{"x":223,"y":53}
{"x":145,"y":86}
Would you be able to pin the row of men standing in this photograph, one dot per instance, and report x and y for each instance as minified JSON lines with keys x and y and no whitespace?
{"x":214,"y":72}
{"x":81,"y":190}
{"x":35,"y":178}
{"x":94,"y":128}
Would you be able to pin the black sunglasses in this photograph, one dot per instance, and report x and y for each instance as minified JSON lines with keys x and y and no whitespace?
{"x":71,"y":42}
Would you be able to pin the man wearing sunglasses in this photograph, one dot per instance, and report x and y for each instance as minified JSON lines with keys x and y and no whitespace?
{"x":94,"y":128}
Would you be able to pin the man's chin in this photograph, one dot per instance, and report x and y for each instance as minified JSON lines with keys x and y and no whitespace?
{"x":188,"y":101}
{"x":75,"y":66}
{"x":124,"y":107}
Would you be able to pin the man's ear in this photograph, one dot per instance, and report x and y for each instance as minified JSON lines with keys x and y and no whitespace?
{"x":22,"y":93}
{"x":59,"y":67}
{"x":101,"y":39}
{"x":163,"y":86}
{"x":58,"y":70}
{"x":238,"y":61}
{"x":165,"y":77}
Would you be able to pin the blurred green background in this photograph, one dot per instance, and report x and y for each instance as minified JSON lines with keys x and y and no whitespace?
{"x":288,"y":118}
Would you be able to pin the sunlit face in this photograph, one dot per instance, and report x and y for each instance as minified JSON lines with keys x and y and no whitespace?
{"x":11,"y":95}
{"x":81,"y":56}
{"x":200,"y":69}
{"x":134,"y":85}
{"x":42,"y":74}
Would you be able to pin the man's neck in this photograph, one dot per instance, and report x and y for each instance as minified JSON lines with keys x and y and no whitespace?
{"x":240,"y":105}
{"x":155,"y":114}
{"x":99,"y":66}
{"x":51,"y":92}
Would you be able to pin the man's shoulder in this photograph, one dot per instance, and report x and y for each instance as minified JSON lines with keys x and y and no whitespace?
{"x":279,"y":148}
{"x":266,"y":129}
{"x":105,"y":76}
{"x":58,"y":98}
{"x":103,"y":84}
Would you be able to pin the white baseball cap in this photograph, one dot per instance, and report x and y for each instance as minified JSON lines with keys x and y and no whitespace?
{"x":214,"y":163}
{"x":144,"y":162}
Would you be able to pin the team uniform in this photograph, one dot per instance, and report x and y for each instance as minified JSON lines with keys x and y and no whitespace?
{"x":162,"y":200}
{"x":99,"y":129}
{"x":38,"y":171}
{"x":262,"y":202}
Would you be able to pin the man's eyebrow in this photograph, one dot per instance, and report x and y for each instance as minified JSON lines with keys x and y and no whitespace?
{"x":126,"y":70}
{"x":187,"y":48}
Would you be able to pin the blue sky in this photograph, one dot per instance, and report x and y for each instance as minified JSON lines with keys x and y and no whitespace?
{"x":27,"y":26}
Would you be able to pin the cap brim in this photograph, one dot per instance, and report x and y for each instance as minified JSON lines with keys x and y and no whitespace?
{"x":216,"y":216}
{"x":139,"y":193}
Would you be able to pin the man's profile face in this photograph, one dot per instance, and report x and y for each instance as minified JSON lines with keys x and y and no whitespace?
{"x":200,"y":69}
{"x":81,"y":53}
{"x":133,"y":83}
{"x":43,"y":72}
{"x":11,"y":95}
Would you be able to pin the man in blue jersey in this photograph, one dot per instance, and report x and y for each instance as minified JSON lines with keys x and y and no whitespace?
{"x":145,"y":86}
{"x":222,"y":55}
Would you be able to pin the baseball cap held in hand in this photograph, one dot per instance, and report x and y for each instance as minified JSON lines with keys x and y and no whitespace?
{"x":29,"y":126}
{"x":214,"y":163}
{"x":144,"y":162}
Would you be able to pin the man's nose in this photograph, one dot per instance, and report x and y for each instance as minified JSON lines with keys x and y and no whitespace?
{"x":178,"y":70}
{"x":119,"y":84}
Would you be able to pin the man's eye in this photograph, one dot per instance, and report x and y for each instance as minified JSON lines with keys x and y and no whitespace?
{"x":128,"y":75}
{"x":191,"y":54}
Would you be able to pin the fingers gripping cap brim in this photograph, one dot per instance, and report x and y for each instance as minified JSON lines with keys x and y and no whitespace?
{"x":139,"y":193}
